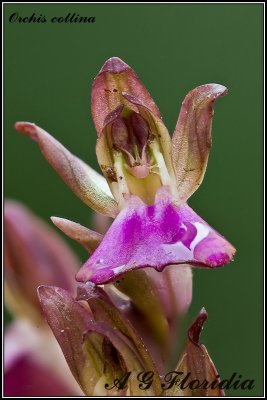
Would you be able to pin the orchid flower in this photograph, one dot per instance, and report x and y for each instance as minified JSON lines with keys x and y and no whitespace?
{"x":142,"y":264}
{"x":148,"y":177}
{"x":34,"y":254}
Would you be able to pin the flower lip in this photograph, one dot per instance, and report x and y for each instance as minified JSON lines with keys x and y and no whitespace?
{"x":155,"y":236}
{"x":114,"y":65}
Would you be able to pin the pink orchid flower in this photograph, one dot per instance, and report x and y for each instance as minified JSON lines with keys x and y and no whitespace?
{"x":148,"y":178}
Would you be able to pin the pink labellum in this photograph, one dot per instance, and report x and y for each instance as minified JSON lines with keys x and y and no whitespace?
{"x":155,"y":236}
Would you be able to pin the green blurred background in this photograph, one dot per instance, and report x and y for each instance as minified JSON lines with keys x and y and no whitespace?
{"x":49,"y":69}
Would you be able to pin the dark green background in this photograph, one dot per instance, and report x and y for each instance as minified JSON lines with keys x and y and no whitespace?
{"x":49,"y":69}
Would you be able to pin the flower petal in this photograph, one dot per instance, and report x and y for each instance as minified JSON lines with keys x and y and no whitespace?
{"x":114,"y":78}
{"x":155,"y":236}
{"x":86,"y":183}
{"x":196,"y":361}
{"x":191,"y":140}
{"x":34,"y":255}
{"x":87,"y":238}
